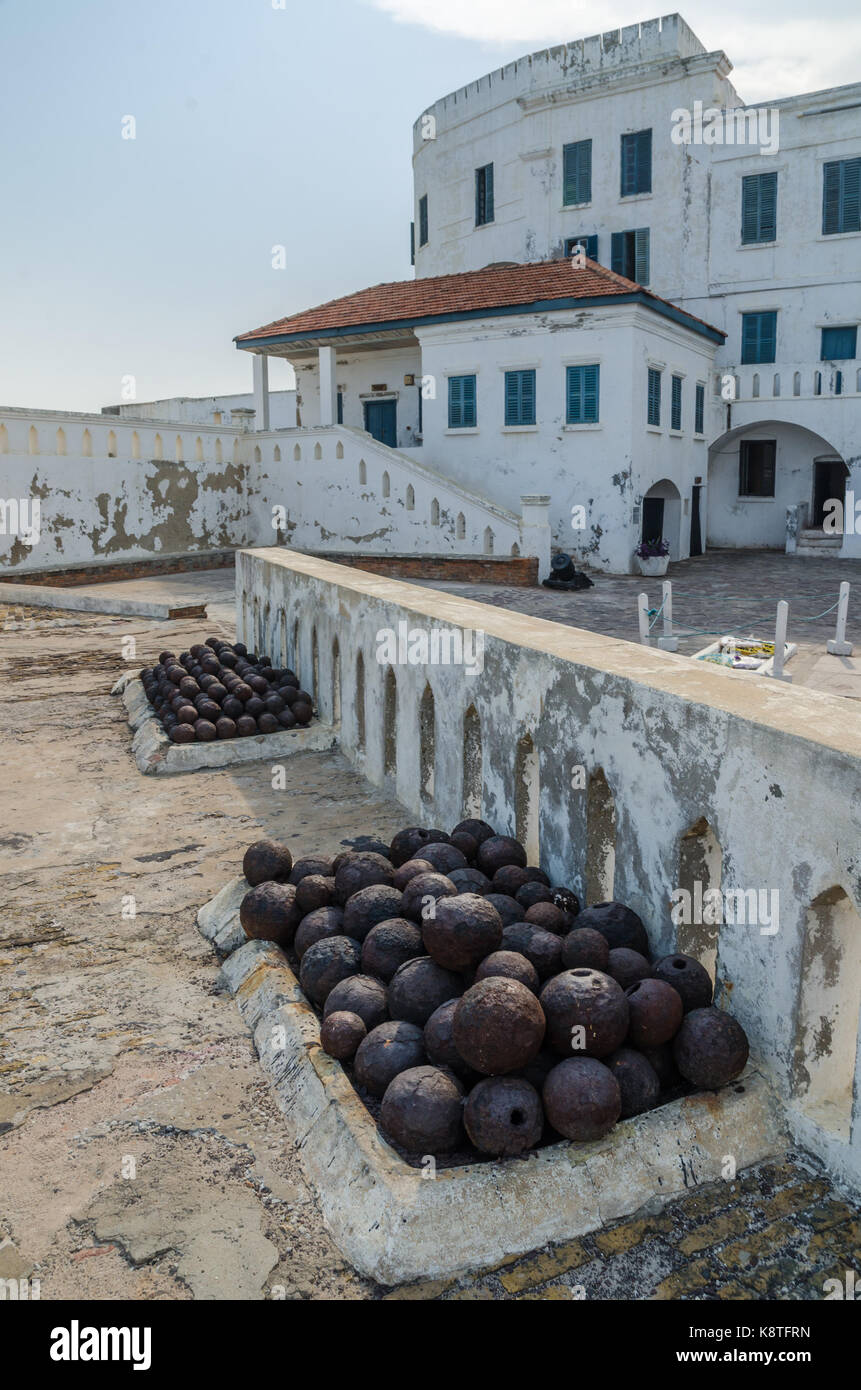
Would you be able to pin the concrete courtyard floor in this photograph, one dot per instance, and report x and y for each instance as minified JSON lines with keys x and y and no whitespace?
{"x":141,"y":1153}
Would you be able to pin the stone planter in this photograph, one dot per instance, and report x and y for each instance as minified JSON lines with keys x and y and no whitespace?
{"x":652,"y":565}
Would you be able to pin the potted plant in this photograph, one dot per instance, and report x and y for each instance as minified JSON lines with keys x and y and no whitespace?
{"x":653,"y":556}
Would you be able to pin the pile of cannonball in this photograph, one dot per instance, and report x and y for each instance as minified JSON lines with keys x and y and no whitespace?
{"x":475,"y":999}
{"x":221,"y":690}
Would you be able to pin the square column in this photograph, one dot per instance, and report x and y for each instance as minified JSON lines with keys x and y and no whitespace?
{"x":328,"y":386}
{"x":261,"y":391}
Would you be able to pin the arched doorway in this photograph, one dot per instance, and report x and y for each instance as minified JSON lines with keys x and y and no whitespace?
{"x":662,"y":516}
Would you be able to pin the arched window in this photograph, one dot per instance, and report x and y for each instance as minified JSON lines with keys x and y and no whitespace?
{"x":460,"y":527}
{"x":363,"y":473}
{"x":61,"y":441}
{"x":434,"y":512}
{"x":411,"y":498}
{"x":112,"y":445}
{"x":387,"y":485}
{"x":600,"y":839}
{"x":136,"y":445}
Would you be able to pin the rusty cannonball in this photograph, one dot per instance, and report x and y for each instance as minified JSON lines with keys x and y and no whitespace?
{"x":181,"y":733}
{"x":618,"y":923}
{"x":444,"y":857}
{"x":638,"y":1081}
{"x":326,"y":963}
{"x":478,"y":829}
{"x":498,"y":1026}
{"x":362,"y":995}
{"x":533,"y":892}
{"x":711,"y":1048}
{"x":287,"y":719}
{"x":589,"y":1002}
{"x":504,"y":1116}
{"x":409,"y":870}
{"x":389,"y":945}
{"x":313,"y":891}
{"x":267,"y":859}
{"x":254,"y":706}
{"x":585,"y":946}
{"x":268,"y":912}
{"x":469,"y":880}
{"x":655,"y":1012}
{"x":422,"y":892}
{"x":302,"y":712}
{"x":508,"y":908}
{"x":498,"y":850}
{"x":689,"y":977}
{"x":418,"y":987}
{"x":543,"y":949}
{"x":510,"y":879}
{"x":388,"y":1050}
{"x":232,"y":708}
{"x":462,"y":931}
{"x":627,"y":966}
{"x":369,"y":906}
{"x":664,"y":1063}
{"x":422,"y":1111}
{"x":512,"y":965}
{"x":582,"y":1100}
{"x":357,"y":871}
{"x":467,"y":844}
{"x":439,"y":1041}
{"x":246,"y":725}
{"x":225,"y":728}
{"x":341,"y":1034}
{"x":267,"y":723}
{"x":363,"y":844}
{"x":548,"y":918}
{"x":567,"y":899}
{"x":205,"y":731}
{"x":409,"y":843}
{"x":317,"y":925}
{"x":320,"y":864}
{"x":243,"y":692}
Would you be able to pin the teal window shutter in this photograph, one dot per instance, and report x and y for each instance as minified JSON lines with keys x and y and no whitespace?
{"x":841,"y":197}
{"x":577,"y":172}
{"x":589,"y":244}
{"x":838,"y":344}
{"x":699,"y":408}
{"x":484,"y":195}
{"x":629,"y":254}
{"x":461,"y":402}
{"x":641,"y":256}
{"x":582,"y":394}
{"x":758,"y":208}
{"x":520,"y":397}
{"x":617,"y":252}
{"x":676,"y":403}
{"x":653,"y":408}
{"x":339,"y":414}
{"x":636,"y":163}
{"x":423,"y":220}
{"x":758,"y":337}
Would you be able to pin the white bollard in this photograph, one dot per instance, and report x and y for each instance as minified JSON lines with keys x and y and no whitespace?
{"x":643,"y":614}
{"x":777,"y":671}
{"x":838,"y":646}
{"x":667,"y":642}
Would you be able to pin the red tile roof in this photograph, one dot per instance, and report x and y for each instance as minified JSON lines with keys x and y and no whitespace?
{"x":499,"y":287}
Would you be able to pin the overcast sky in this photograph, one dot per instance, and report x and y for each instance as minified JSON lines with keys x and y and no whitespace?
{"x":258,"y":127}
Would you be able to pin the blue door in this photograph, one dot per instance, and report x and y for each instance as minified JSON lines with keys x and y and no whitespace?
{"x":381,"y":421}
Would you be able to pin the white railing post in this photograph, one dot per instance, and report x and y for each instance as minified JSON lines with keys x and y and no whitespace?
{"x":780,"y":626}
{"x":668,"y":642}
{"x":838,"y":646}
{"x":535,"y":530}
{"x":643,"y":613}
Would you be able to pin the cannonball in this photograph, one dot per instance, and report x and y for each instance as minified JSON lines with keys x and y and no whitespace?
{"x":228,"y":658}
{"x":418,"y":987}
{"x":627,"y":967}
{"x":638,"y":1081}
{"x":585,"y":946}
{"x":267,"y":723}
{"x":268,"y":912}
{"x":504,"y":1116}
{"x":209,"y":711}
{"x":243,"y":692}
{"x":498,"y":1026}
{"x":362,"y":995}
{"x":656,"y":1012}
{"x":217,"y":692}
{"x":326,"y":963}
{"x":188,"y":686}
{"x":225,"y":728}
{"x":240,"y":649}
{"x":409,"y":870}
{"x":422,"y":891}
{"x":274,"y":703}
{"x":422,"y":1111}
{"x":246,"y":724}
{"x":478,"y":829}
{"x":267,"y":859}
{"x":407,"y":843}
{"x":439,"y":1040}
{"x":618,"y":923}
{"x":389,"y":945}
{"x":582,"y":1099}
{"x":319,"y":864}
{"x":548,"y":918}
{"x":359,"y":871}
{"x":317,"y":925}
{"x":710,"y":1048}
{"x":688,"y":977}
{"x":508,"y":908}
{"x":388,"y":1050}
{"x":531,"y":893}
{"x":444,"y":857}
{"x":567,"y":899}
{"x":543,"y":949}
{"x":467,"y":844}
{"x":340,"y":1034}
{"x":590,"y":1002}
{"x":512,"y":965}
{"x":537,"y":1071}
{"x":254,"y":706}
{"x":180,"y":733}
{"x":287,"y":719}
{"x":205,"y":731}
{"x":664,"y":1064}
{"x":369,"y":906}
{"x":469,"y":880}
{"x":313,"y":891}
{"x":497,"y":851}
{"x":463,"y":930}
{"x":368,"y":846}
{"x":510,"y":879}
{"x":258,"y":684}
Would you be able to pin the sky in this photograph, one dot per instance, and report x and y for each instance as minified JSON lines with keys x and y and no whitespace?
{"x":258,"y":124}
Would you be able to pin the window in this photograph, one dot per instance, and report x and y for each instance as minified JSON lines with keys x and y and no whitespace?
{"x":653,"y":410}
{"x":423,"y":220}
{"x":758,"y":337}
{"x":339,"y":409}
{"x":675,"y":403}
{"x":629,"y":254}
{"x":577,"y":172}
{"x":412,"y":243}
{"x":699,"y":408}
{"x":520,"y":397}
{"x":756,"y":462}
{"x":838,"y":344}
{"x":589,"y":244}
{"x":637,"y":163}
{"x":841,"y":197}
{"x":462,"y":413}
{"x":484,"y":195}
{"x":758,"y":208}
{"x":581,"y":394}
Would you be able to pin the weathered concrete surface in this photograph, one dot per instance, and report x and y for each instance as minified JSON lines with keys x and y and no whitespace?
{"x":94,"y":601}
